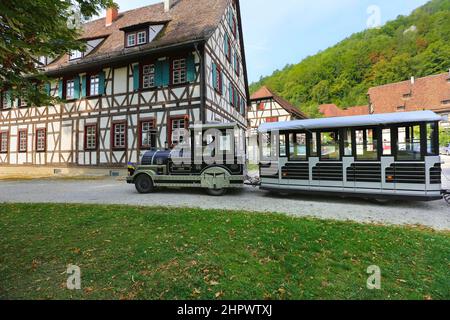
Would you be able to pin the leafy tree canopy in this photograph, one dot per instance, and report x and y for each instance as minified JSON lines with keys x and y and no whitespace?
{"x":418,"y":44}
{"x":30,"y":29}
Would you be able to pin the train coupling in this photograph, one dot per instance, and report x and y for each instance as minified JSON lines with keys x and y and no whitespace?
{"x":252,"y":181}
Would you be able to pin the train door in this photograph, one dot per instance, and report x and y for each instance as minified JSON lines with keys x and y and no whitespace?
{"x":297,"y":169}
{"x":270,"y":148}
{"x":409,"y":170}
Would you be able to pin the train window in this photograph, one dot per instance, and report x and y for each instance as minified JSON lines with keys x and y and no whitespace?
{"x":266,"y":145}
{"x":283,"y":151}
{"x":330,"y":146}
{"x":366,"y":145}
{"x":387,"y":144}
{"x":408,"y":143}
{"x":297,"y":146}
{"x":348,"y":150}
{"x":432,"y":138}
{"x":225,"y":143}
{"x":313,"y":144}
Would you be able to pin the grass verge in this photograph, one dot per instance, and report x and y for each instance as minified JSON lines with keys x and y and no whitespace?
{"x":159,"y":253}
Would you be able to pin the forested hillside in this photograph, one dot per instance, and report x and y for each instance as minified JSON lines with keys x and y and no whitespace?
{"x":418,"y":44}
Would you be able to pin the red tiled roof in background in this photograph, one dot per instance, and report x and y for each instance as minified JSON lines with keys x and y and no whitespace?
{"x":265,"y":93}
{"x":428,"y":93}
{"x":332,"y":111}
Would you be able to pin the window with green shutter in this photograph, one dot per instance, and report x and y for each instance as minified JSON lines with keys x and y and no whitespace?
{"x":162,"y":73}
{"x":83,"y":86}
{"x":191,"y":71}
{"x":101,"y":83}
{"x":61,"y":89}
{"x":136,"y":77}
{"x":76,"y":91}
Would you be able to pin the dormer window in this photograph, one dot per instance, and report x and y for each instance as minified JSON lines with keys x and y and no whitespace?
{"x":131,"y":40}
{"x":141,"y":37}
{"x":141,"y":34}
{"x":75,"y":55}
{"x":136,"y":38}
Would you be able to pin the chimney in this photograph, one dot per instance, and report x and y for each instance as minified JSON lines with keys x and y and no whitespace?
{"x":413,"y":80}
{"x":168,"y":4}
{"x":112,"y":13}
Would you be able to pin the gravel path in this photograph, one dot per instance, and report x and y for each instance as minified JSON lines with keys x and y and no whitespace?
{"x":432,"y":214}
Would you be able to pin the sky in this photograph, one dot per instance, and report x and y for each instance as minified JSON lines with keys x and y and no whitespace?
{"x":280,"y":32}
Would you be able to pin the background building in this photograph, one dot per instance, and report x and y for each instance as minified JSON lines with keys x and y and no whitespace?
{"x":427,"y":93}
{"x":266,"y":106}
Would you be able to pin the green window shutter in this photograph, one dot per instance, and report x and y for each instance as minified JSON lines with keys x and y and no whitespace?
{"x":190,"y":66}
{"x":136,"y":77}
{"x":47,"y":88}
{"x":214,"y":75}
{"x":158,"y":74}
{"x":76,"y":81}
{"x":231,"y":93}
{"x":166,"y":72}
{"x":225,"y":44}
{"x":101,"y":83}
{"x":83,"y":86}
{"x":162,"y":73}
{"x":60,"y":89}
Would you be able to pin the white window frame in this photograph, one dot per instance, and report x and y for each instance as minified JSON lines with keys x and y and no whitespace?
{"x":179,"y":71}
{"x":148,"y":131}
{"x":23,"y":141}
{"x":75,"y":55}
{"x":94,"y":85}
{"x":91,"y":137}
{"x":120,"y":135}
{"x":177,"y":127}
{"x":148,"y":76}
{"x":70,"y":89}
{"x":41,"y":143}
{"x":131,"y":36}
{"x":4,"y":142}
{"x":138,"y":37}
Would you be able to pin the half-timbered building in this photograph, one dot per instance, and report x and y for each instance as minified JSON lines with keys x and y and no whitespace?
{"x":144,"y":74}
{"x":266,"y":107}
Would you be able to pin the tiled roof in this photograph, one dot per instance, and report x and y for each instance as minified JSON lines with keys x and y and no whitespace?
{"x":265,"y":93}
{"x":428,"y":93}
{"x":187,"y":21}
{"x":332,"y":111}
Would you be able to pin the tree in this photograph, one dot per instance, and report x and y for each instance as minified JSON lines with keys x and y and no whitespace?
{"x":343,"y":73}
{"x":31,"y":29}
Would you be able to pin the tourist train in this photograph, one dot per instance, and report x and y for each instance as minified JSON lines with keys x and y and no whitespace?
{"x":388,"y":156}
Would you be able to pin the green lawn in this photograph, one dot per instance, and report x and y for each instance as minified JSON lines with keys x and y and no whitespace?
{"x":160,"y":253}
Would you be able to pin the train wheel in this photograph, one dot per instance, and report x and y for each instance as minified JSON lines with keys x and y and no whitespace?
{"x":216,"y":192}
{"x":144,"y":184}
